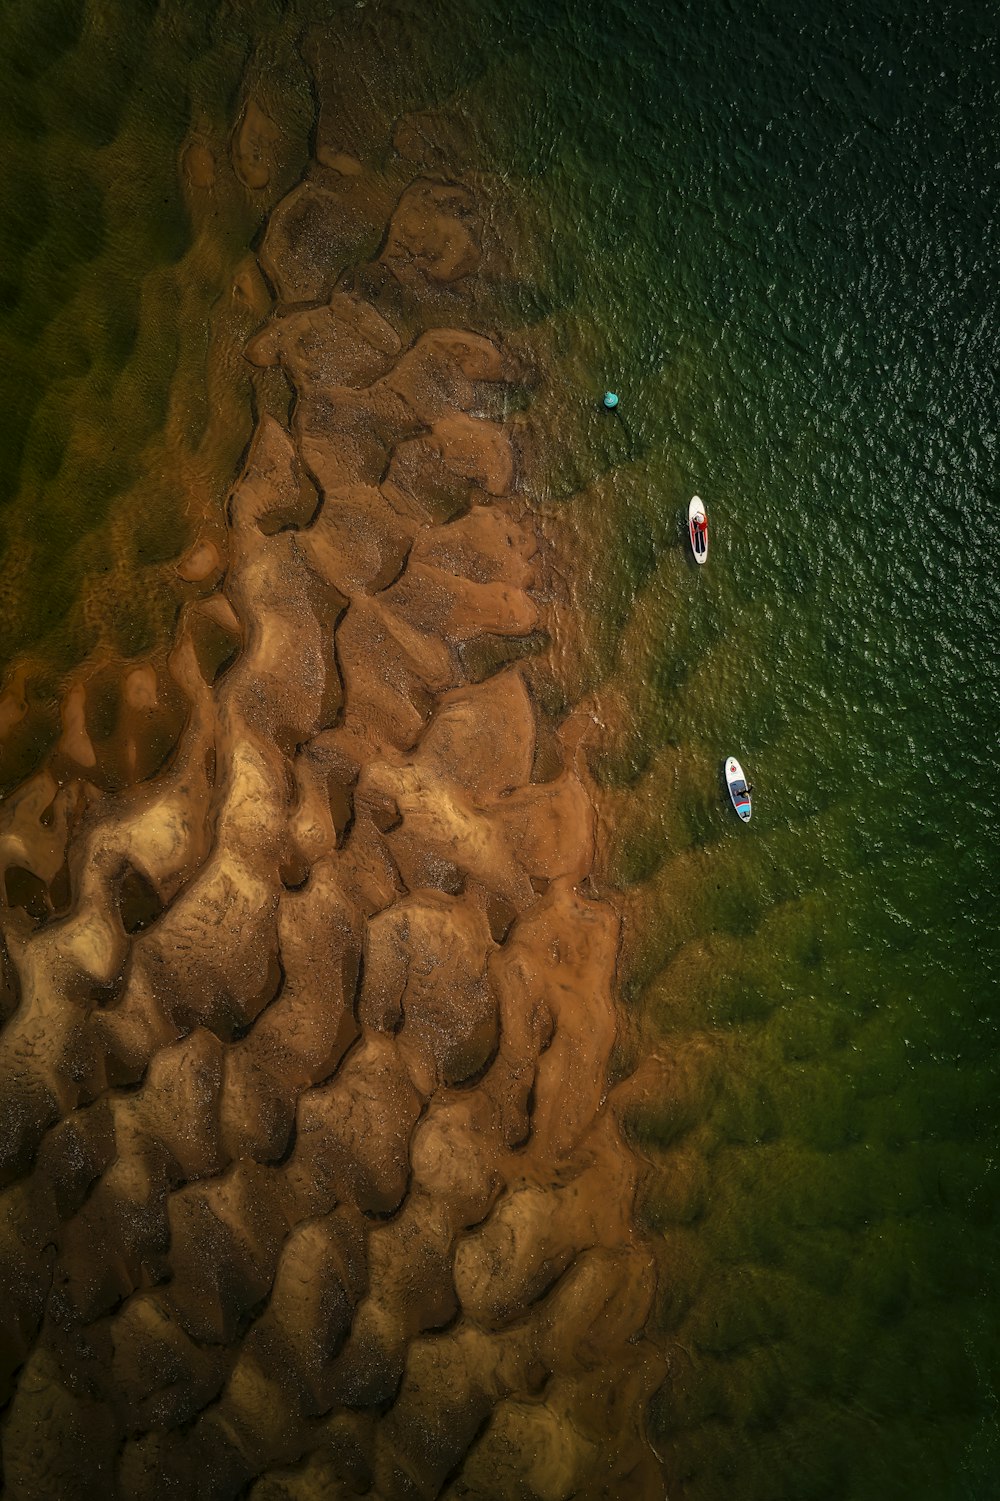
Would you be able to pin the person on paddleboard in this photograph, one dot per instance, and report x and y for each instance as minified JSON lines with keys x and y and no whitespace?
{"x":700,"y":523}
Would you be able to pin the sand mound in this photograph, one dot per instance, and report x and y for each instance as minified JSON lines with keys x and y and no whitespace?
{"x":311,"y":1187}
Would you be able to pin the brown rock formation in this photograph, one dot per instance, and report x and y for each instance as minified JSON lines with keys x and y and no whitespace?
{"x":311,"y":1188}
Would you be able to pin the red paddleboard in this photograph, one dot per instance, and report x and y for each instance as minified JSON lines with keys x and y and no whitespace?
{"x":697,"y":530}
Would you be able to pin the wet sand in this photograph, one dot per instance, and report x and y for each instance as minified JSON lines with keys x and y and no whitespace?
{"x":312,"y":1182}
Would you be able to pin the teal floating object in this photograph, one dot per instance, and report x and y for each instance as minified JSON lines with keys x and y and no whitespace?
{"x":610,"y":400}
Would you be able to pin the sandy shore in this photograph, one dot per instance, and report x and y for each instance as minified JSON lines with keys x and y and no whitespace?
{"x":312,"y":1186}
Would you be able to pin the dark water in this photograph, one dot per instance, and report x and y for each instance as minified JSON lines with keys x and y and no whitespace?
{"x":774,"y":231}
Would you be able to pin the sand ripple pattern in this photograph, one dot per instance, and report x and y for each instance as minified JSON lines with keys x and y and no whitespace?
{"x":312,"y":1187}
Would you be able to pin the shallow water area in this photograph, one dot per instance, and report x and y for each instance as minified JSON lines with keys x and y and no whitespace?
{"x":128,"y":291}
{"x":770,"y":232}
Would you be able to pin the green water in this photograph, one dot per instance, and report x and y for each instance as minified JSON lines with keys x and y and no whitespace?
{"x":124,"y":402}
{"x":773,"y":230}
{"x":789,"y":217}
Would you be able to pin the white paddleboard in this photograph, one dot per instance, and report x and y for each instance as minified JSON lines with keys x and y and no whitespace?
{"x":699,"y":539}
{"x":737,"y":784}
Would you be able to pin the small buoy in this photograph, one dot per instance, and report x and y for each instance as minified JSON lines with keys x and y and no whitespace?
{"x":610,"y":400}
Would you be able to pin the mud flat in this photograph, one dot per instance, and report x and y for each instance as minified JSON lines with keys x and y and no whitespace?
{"x":312,"y":1187}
